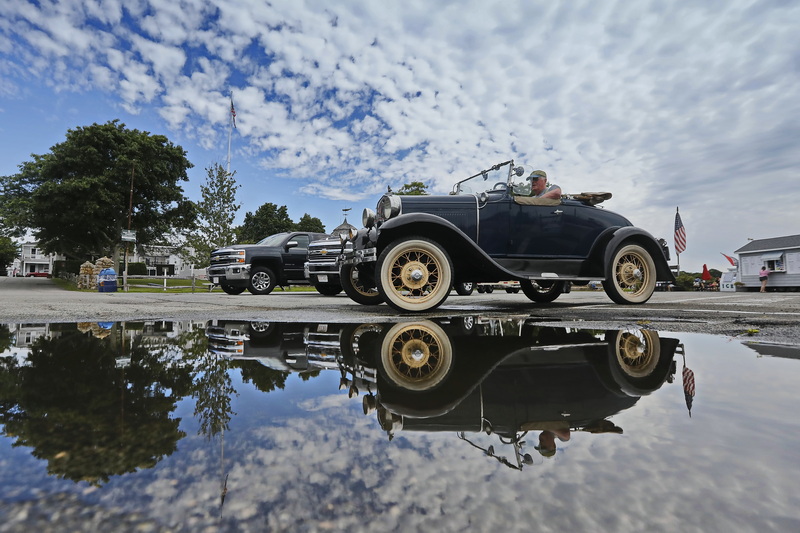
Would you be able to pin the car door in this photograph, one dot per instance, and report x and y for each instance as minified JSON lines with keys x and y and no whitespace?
{"x":493,"y":224}
{"x":294,"y":258}
{"x":538,"y":231}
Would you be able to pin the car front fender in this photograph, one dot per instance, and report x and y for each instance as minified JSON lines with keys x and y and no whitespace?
{"x":634,"y":235}
{"x":459,"y":246}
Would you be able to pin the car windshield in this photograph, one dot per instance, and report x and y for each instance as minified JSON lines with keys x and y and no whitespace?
{"x":495,"y":178}
{"x":273,"y":240}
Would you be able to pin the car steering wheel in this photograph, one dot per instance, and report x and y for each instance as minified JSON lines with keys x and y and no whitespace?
{"x":500,"y":184}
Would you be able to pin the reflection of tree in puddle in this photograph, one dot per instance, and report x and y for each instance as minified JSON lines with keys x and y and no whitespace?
{"x":88,"y":417}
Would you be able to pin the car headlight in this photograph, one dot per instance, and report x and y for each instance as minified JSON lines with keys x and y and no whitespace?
{"x":368,"y":218}
{"x":389,"y":206}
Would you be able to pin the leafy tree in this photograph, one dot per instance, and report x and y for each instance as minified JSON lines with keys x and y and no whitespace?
{"x":309,"y":223}
{"x":8,"y":251}
{"x":89,"y":420}
{"x":76,"y":197}
{"x":268,"y":219}
{"x":415,"y":188}
{"x":215,"y":213}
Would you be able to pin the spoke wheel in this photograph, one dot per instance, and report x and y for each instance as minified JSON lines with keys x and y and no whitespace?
{"x":636,"y":360}
{"x":357,"y":288}
{"x":262,"y":281}
{"x":543,"y":291}
{"x":631,"y":275}
{"x":416,"y":356}
{"x":414,"y":274}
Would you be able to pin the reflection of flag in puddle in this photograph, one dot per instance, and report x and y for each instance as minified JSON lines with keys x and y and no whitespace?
{"x":688,"y":387}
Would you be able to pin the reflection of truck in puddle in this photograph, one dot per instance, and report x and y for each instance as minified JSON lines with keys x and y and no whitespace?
{"x":279,"y":346}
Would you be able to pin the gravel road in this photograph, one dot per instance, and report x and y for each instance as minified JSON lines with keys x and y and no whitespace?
{"x":775,"y":315}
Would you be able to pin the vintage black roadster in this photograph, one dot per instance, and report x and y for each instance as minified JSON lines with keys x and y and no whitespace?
{"x":414,"y":249}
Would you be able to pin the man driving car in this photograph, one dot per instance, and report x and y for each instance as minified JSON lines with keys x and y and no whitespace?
{"x":540,"y":188}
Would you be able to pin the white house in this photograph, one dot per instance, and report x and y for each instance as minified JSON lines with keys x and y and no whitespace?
{"x":34,"y":262}
{"x":781,"y":255}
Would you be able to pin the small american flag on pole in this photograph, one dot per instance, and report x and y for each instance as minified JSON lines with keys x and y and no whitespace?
{"x":688,"y":388}
{"x":233,"y":113}
{"x":680,"y":233}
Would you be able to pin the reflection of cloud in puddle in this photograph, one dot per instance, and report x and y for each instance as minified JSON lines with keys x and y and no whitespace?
{"x":335,"y":469}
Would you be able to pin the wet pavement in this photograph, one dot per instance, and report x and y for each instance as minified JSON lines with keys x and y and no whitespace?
{"x":452,"y":422}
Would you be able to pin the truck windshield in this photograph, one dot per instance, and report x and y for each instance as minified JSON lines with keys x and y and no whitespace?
{"x":493,"y":179}
{"x":273,"y":240}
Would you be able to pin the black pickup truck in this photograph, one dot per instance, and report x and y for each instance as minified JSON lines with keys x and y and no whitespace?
{"x":259,"y":268}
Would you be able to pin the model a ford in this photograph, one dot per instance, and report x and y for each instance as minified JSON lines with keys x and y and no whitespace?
{"x":414,"y":249}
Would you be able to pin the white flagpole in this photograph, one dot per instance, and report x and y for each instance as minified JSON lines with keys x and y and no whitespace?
{"x":230,"y":133}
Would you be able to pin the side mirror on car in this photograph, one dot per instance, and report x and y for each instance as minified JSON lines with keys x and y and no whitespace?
{"x":291,"y":244}
{"x":519,"y":171}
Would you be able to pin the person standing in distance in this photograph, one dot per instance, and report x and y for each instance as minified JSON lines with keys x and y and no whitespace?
{"x":763,"y":276}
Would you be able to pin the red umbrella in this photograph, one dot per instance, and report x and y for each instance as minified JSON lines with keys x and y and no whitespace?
{"x":706,"y":274}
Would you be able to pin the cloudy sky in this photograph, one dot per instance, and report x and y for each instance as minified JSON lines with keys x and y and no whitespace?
{"x":664,"y":104}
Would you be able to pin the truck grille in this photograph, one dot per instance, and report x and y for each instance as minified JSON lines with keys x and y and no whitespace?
{"x":324,"y":251}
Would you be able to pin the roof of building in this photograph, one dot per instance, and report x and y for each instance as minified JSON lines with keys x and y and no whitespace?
{"x":775,"y":243}
{"x":344,"y":226}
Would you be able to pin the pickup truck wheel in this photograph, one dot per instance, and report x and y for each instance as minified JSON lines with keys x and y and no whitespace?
{"x":631,"y":275}
{"x":464,"y":289}
{"x":416,"y":356}
{"x":355,"y":288}
{"x":414,"y":274}
{"x":328,"y":289}
{"x":544,"y":291}
{"x":262,"y":281}
{"x":228,"y":289}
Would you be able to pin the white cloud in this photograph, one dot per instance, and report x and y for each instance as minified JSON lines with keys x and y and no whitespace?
{"x":660,"y":104}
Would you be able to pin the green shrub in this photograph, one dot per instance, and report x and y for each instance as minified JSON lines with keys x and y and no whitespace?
{"x":68,"y":266}
{"x":136,"y":269}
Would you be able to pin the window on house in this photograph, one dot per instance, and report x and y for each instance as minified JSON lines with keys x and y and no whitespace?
{"x":774,"y":261}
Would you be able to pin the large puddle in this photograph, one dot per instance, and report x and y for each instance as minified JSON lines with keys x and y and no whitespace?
{"x":469,"y":423}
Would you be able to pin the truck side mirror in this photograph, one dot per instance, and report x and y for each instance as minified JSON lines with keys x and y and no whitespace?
{"x":291,"y":244}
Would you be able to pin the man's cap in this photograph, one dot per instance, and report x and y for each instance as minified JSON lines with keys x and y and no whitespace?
{"x":537,"y":174}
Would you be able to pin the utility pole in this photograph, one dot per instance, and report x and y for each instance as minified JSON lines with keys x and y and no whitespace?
{"x":130,"y":212}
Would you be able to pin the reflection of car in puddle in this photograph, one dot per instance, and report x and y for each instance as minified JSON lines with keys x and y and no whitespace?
{"x":279,"y":346}
{"x":511,"y":379}
{"x":502,"y":377}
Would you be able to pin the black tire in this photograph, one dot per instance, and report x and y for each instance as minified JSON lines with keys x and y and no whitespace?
{"x":228,"y":289}
{"x":488,"y":289}
{"x":261,"y":330}
{"x":416,"y":356}
{"x":630,"y":275}
{"x":464,"y":289}
{"x":262,"y":281}
{"x":355,"y":288}
{"x":544,"y":291}
{"x":512,"y":291}
{"x":328,"y":289}
{"x":480,"y":289}
{"x":414,"y":274}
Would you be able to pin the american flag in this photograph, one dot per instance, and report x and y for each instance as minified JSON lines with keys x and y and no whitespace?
{"x":688,"y":388}
{"x":680,"y":234}
{"x":233,"y":113}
